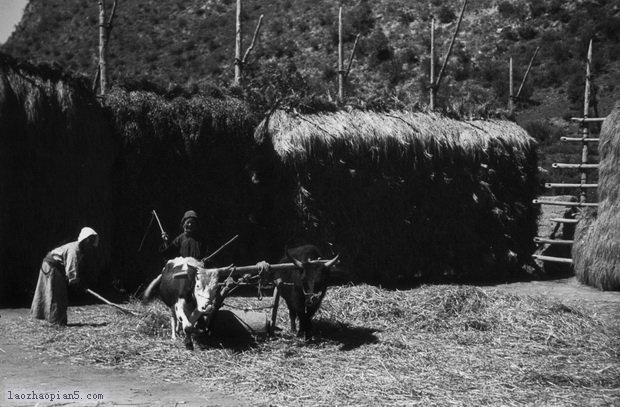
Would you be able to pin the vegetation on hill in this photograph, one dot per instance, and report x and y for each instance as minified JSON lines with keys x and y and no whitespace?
{"x":190,"y":43}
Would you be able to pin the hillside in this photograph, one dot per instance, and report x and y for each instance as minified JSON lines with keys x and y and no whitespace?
{"x":190,"y":43}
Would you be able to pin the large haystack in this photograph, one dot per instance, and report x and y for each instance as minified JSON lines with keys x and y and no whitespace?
{"x":403,"y":195}
{"x":177,"y":154}
{"x":56,"y":155}
{"x":596,"y":251}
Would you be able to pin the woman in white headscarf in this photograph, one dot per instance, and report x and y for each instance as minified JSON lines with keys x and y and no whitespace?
{"x":59,"y":270}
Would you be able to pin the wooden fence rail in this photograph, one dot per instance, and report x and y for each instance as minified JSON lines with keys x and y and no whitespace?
{"x":579,"y":166}
{"x":552,"y":241}
{"x":553,"y":259}
{"x":561,"y":185}
{"x":579,"y":139}
{"x":564,"y":203}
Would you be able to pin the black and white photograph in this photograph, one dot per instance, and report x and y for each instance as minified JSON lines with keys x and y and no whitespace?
{"x":309,"y":203}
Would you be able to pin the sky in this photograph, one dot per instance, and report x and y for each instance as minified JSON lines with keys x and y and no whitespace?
{"x":10,"y":14}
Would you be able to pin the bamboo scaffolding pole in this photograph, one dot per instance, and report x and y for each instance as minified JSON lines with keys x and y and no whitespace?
{"x":552,"y":241}
{"x":580,"y":139}
{"x":578,"y":166}
{"x":564,"y":203}
{"x":553,"y":259}
{"x":561,"y":185}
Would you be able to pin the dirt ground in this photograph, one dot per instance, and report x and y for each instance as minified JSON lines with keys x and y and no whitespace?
{"x":23,"y":371}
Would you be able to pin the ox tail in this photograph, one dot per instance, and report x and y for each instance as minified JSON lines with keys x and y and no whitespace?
{"x":149,"y":292}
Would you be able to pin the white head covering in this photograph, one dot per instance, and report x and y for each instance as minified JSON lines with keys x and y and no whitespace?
{"x":87,"y":232}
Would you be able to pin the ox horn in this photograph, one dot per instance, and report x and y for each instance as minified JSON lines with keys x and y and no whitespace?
{"x":333,"y":261}
{"x":296,"y":262}
{"x":180,"y":274}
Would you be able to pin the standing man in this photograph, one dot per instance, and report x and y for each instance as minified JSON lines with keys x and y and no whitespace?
{"x":187,"y":243}
{"x":61,"y":268}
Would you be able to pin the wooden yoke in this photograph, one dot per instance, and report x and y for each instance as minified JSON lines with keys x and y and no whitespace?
{"x":236,"y":272}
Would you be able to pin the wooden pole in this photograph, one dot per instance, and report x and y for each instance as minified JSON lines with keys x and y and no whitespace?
{"x":585,"y":130}
{"x":511,"y":104}
{"x":102,"y":49}
{"x":108,"y":31}
{"x":274,"y":310}
{"x":346,"y":74}
{"x":527,"y":72}
{"x":456,"y":31}
{"x":432,"y":73}
{"x":94,"y":294}
{"x":340,"y":65}
{"x":236,"y":272}
{"x":238,"y":45}
{"x":251,"y":47}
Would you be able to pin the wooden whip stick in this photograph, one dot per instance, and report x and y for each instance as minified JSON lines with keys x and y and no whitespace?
{"x":125,"y":310}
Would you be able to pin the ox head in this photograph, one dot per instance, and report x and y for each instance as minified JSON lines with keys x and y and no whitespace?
{"x":312,"y":278}
{"x":205,"y":286}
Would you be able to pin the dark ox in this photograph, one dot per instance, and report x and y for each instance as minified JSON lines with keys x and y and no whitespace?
{"x":304,"y":288}
{"x":189,"y":290}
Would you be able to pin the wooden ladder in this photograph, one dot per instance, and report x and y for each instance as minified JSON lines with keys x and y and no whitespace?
{"x":584,"y":167}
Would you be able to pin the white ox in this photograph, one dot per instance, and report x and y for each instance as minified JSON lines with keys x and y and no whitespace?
{"x":189,"y":290}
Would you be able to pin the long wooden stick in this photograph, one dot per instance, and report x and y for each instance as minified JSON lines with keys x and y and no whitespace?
{"x":445,"y":61}
{"x":238,"y":43}
{"x":346,"y":74}
{"x":432,"y":72}
{"x":527,"y":72}
{"x":125,"y":310}
{"x":158,"y":221}
{"x":220,"y":249}
{"x":340,"y":56}
{"x":251,"y":47}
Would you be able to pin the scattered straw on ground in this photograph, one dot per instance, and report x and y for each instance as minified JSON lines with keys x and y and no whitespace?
{"x":439,"y":345}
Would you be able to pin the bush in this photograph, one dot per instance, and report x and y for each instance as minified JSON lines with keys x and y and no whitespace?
{"x":509,"y":34}
{"x":446,"y":15}
{"x":360,"y":18}
{"x":545,"y":133}
{"x":527,"y":32}
{"x":377,"y":47}
{"x":507,"y":10}
{"x":537,"y":8}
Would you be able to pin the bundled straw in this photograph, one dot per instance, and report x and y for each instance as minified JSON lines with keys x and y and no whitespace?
{"x":179,"y":154}
{"x":437,"y":345}
{"x":597,"y":237}
{"x":56,"y":157}
{"x":405,"y":195}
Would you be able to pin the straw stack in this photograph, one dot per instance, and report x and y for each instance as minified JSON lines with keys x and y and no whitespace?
{"x":405,"y":195}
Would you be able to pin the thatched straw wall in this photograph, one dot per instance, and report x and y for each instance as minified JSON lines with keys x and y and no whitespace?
{"x":596,"y":251}
{"x":177,"y":154}
{"x":56,"y":155}
{"x":404,"y":195}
